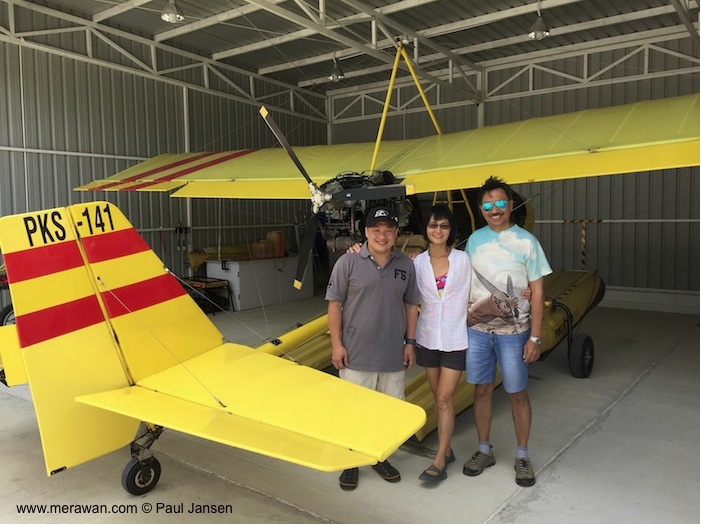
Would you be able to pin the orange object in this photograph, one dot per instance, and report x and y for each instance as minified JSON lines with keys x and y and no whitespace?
{"x":263,"y":249}
{"x":278,"y":240}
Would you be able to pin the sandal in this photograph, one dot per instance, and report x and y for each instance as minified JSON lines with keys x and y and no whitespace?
{"x":433,"y":474}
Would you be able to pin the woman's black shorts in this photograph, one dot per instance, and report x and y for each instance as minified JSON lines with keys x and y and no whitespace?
{"x":437,"y":358}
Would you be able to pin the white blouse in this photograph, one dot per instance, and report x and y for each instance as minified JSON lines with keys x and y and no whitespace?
{"x":443,"y":319}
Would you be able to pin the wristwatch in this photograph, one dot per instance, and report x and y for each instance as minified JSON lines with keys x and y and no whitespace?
{"x":536,"y":340}
{"x":410,"y":341}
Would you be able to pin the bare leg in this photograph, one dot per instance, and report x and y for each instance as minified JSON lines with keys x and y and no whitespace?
{"x":433,"y":374}
{"x":521,"y":413}
{"x":483,"y":410}
{"x":443,"y":397}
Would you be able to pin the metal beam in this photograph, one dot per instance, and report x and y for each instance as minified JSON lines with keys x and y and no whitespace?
{"x":429,"y":32}
{"x":362,"y":48}
{"x":444,"y":29}
{"x":356,"y":4}
{"x":304,"y":33}
{"x":209,"y":21}
{"x":118,"y":9}
{"x":685,"y":18}
{"x":494,"y":44}
{"x":88,"y":24}
{"x":93,"y":29}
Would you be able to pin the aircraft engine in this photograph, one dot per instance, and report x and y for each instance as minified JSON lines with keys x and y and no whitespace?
{"x":344,"y":218}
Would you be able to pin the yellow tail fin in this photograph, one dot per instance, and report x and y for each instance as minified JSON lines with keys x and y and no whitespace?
{"x":156,"y":323}
{"x":66,"y":345}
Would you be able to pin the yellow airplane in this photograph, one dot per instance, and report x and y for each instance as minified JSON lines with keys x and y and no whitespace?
{"x":645,"y":136}
{"x":119,"y":341}
{"x":653,"y":135}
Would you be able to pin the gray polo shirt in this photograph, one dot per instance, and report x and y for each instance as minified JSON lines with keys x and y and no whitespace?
{"x":374,"y":317}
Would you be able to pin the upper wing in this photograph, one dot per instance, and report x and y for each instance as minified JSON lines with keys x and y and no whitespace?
{"x":267,"y":173}
{"x":644,"y":136}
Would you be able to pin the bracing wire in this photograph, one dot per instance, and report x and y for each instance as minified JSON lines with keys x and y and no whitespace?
{"x":163,"y":345}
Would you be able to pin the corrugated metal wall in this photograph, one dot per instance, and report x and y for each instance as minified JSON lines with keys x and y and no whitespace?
{"x":68,"y":122}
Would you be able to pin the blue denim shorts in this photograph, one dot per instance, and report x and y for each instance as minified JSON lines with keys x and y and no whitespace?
{"x":486,"y":350}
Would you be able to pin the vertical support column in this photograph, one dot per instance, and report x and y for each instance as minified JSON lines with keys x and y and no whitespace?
{"x":188,"y":201}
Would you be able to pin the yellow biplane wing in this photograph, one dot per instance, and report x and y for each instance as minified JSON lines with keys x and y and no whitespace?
{"x":119,"y":341}
{"x":645,"y":136}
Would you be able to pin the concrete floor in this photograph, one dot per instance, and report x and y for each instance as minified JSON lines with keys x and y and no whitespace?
{"x":619,"y":447}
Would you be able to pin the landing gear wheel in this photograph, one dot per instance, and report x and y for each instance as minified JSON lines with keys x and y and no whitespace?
{"x":140,"y":477}
{"x":7,"y":316}
{"x":581,"y":356}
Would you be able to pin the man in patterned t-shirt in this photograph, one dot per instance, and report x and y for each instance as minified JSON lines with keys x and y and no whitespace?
{"x":503,"y":327}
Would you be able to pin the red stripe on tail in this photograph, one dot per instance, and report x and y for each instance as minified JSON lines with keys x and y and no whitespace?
{"x":137,"y":296}
{"x":108,"y":246}
{"x":58,"y":320}
{"x":41,"y":261}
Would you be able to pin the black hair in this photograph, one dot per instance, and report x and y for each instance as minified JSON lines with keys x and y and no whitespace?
{"x":439,"y":212}
{"x":494,"y":183}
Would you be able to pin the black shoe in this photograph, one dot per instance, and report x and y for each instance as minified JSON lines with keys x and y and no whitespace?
{"x":349,"y":479}
{"x":450,"y":458}
{"x":433,"y":474}
{"x":387,"y":471}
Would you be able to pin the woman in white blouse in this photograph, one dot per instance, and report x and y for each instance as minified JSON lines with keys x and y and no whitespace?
{"x":443,"y":275}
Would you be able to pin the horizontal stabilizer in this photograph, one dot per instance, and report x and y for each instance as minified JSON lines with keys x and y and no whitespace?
{"x":264,"y":404}
{"x":228,"y":429}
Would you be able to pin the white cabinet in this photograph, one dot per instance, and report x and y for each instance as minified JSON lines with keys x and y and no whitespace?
{"x":261,"y":282}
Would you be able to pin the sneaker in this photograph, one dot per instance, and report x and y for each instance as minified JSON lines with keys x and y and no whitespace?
{"x":478,"y":462}
{"x":387,"y":471}
{"x":349,"y":479}
{"x":524,"y":472}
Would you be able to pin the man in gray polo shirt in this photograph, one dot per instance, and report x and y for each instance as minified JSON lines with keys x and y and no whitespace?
{"x":372,"y":304}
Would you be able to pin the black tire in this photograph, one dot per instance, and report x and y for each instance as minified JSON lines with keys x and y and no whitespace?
{"x":581,"y":356}
{"x":140,"y":477}
{"x":7,"y":316}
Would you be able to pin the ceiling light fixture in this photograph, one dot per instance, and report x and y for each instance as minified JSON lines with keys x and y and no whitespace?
{"x":336,"y":71}
{"x":171,"y":13}
{"x":539,"y":30}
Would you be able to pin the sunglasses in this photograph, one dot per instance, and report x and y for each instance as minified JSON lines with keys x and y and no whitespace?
{"x":501,"y":204}
{"x":442,"y":226}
